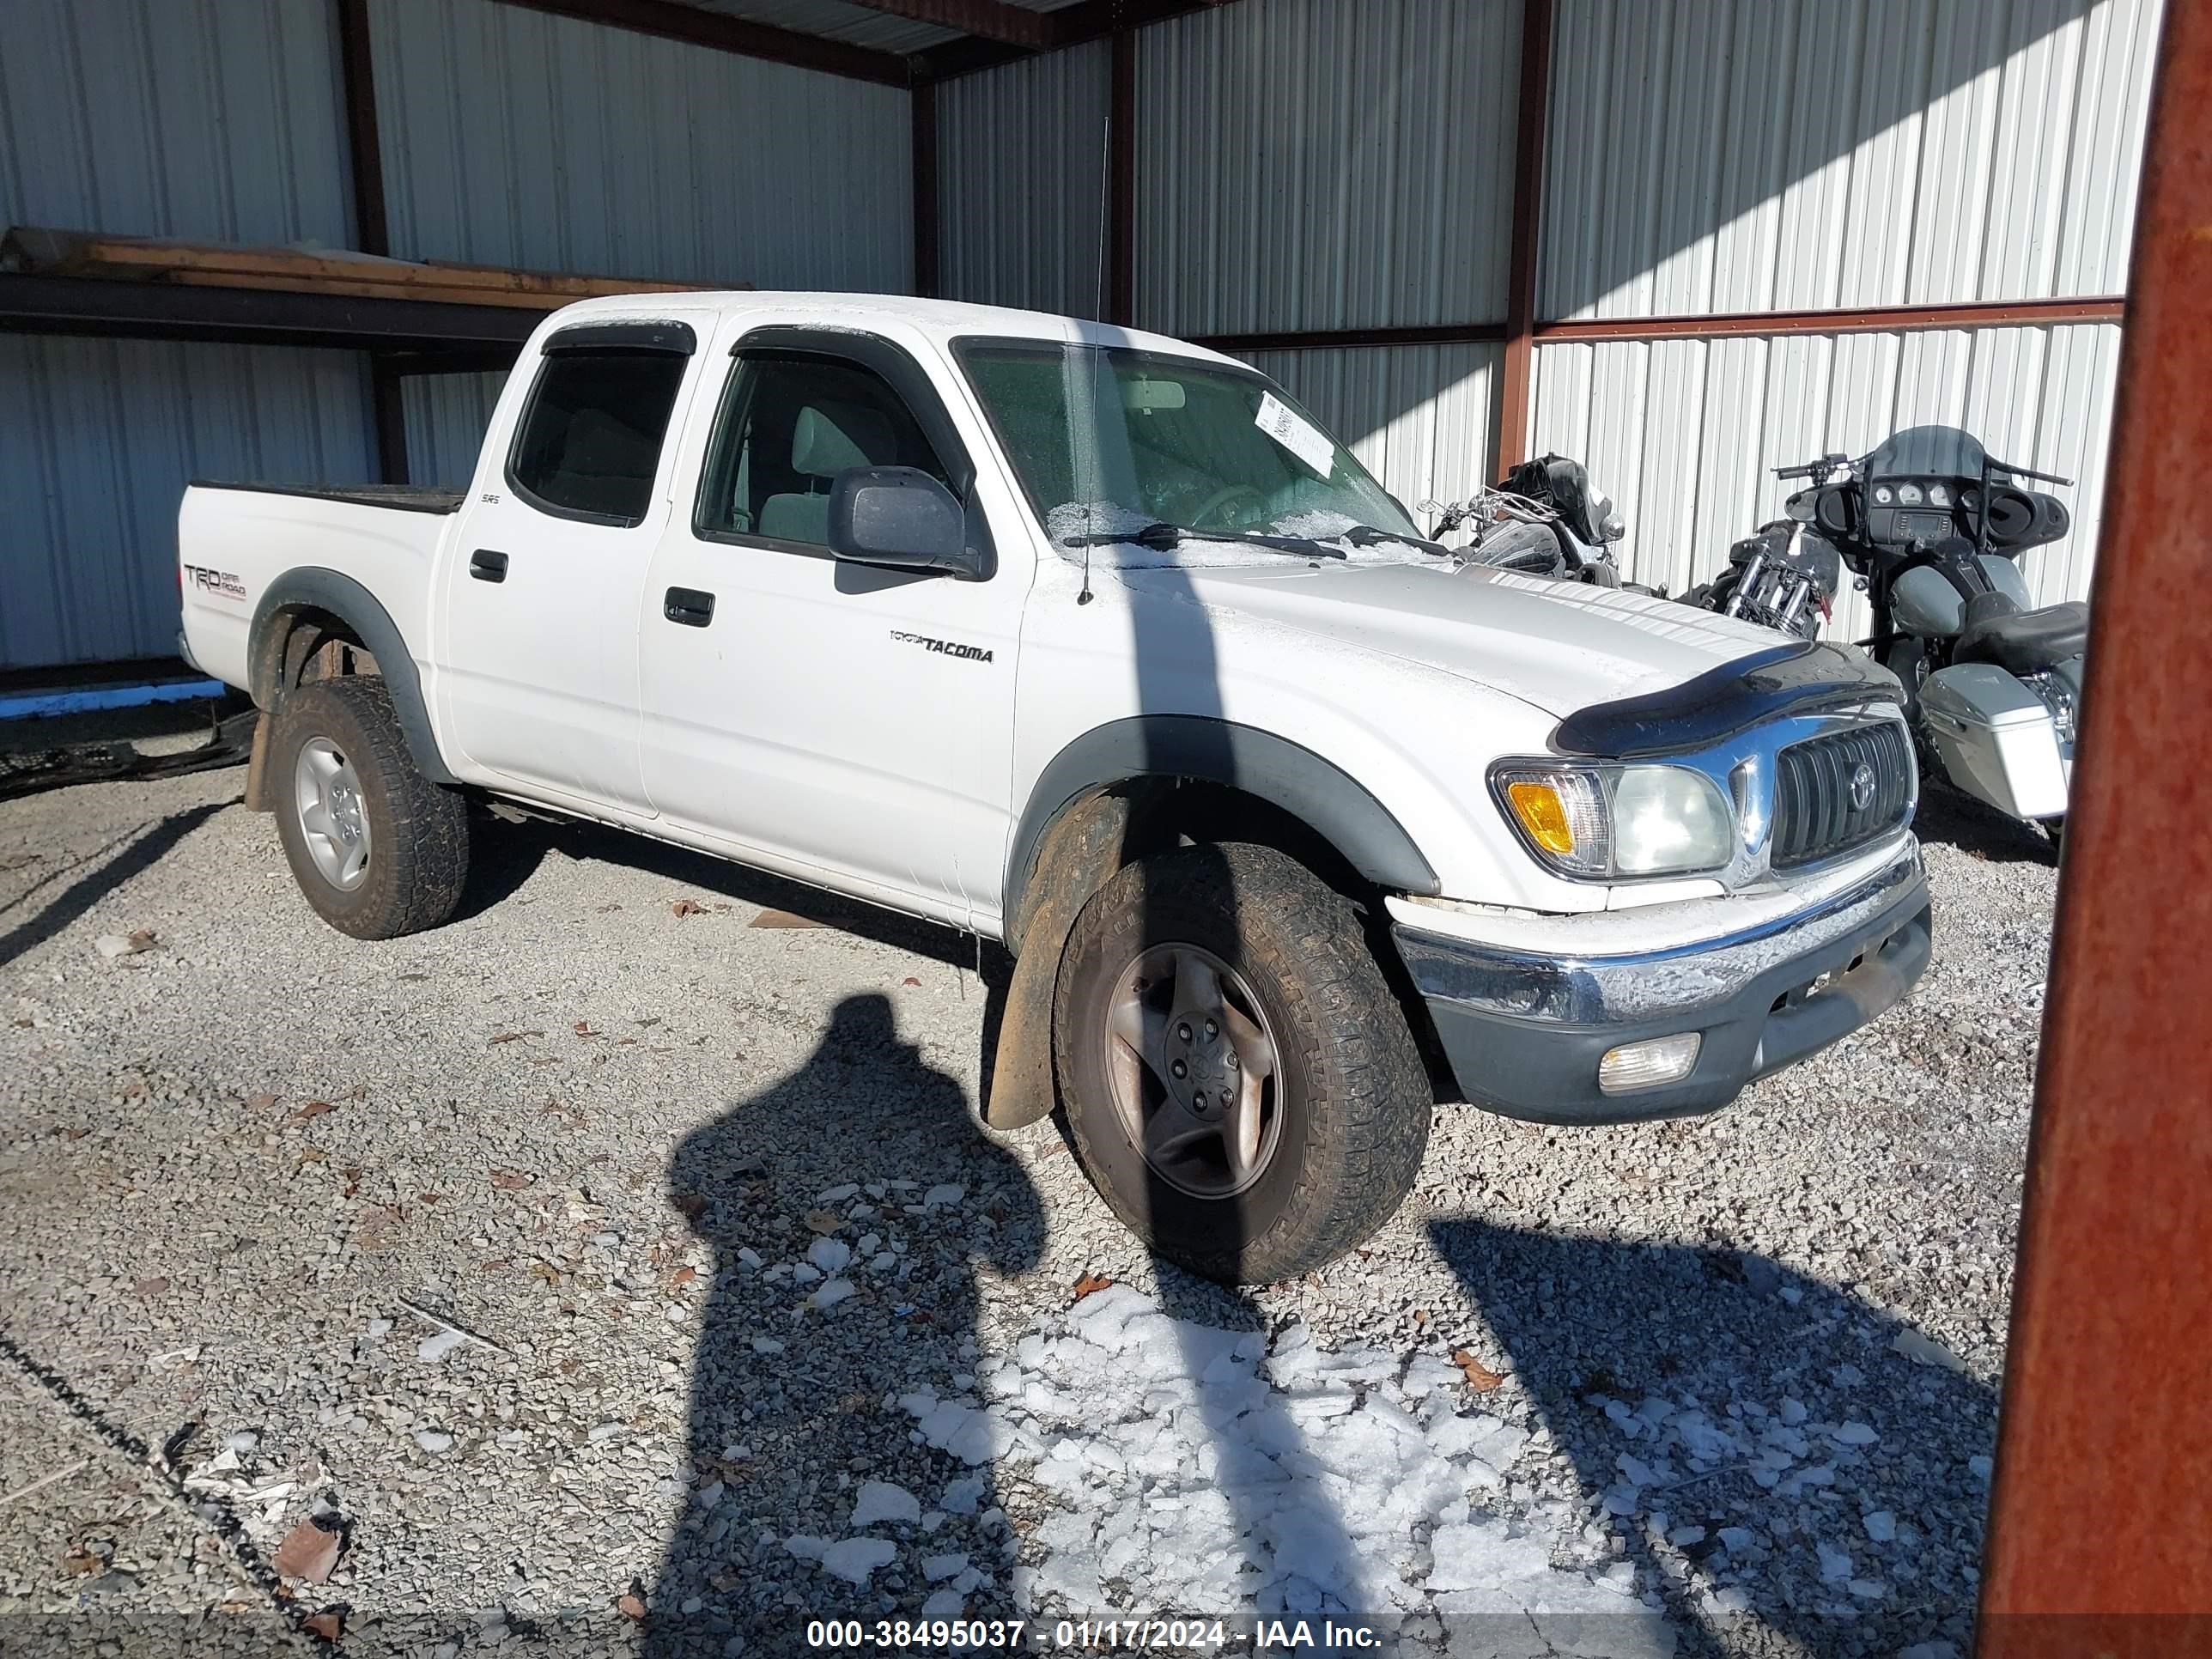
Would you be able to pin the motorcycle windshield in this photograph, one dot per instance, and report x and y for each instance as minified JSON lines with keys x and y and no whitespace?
{"x":1928,"y":452}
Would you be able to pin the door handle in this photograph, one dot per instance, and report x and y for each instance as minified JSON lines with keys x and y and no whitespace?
{"x":688,"y":606}
{"x":487,"y":566}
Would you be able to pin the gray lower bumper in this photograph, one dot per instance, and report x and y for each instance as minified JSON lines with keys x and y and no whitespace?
{"x":1524,"y":1033}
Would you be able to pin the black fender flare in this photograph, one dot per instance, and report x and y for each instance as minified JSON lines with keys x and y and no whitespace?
{"x":311,"y":586}
{"x":1318,"y":792}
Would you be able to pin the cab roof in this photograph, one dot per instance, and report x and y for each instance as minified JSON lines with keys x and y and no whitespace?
{"x":942,"y":319}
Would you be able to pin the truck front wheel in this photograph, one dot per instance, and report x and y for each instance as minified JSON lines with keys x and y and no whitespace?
{"x":377,"y":848}
{"x":1240,"y":1078}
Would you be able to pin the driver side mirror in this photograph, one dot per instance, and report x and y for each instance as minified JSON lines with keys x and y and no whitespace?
{"x":901,"y":518}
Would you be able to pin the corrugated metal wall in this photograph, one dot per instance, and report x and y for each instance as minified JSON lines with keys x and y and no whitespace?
{"x":509,"y":137}
{"x":1776,"y":154}
{"x":214,"y":119}
{"x":446,"y":414}
{"x":1423,"y":419}
{"x":101,"y":439}
{"x":1686,"y":434}
{"x":512,"y":137}
{"x":1309,"y":164}
{"x":1711,"y":156}
{"x":1301,"y":164}
{"x":1021,"y":184}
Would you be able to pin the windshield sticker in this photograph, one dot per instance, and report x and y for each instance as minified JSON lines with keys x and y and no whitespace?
{"x":1295,"y":434}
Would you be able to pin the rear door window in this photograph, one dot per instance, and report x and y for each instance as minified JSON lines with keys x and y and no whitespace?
{"x":589,"y":443}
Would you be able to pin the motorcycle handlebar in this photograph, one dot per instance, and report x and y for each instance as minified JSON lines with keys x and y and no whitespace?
{"x":1818,"y":469}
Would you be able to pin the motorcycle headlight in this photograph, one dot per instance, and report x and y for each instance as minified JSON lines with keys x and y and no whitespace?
{"x":1598,"y":822}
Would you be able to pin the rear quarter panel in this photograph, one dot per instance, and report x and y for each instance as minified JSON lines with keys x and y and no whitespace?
{"x":233,"y":544}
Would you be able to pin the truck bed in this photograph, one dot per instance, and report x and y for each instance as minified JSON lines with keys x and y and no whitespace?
{"x":401,"y":498}
{"x":235,"y":540}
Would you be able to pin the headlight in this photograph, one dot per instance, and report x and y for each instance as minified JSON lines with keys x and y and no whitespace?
{"x":1600,"y":822}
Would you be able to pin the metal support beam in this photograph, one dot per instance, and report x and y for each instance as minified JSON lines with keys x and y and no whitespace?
{"x":721,"y":32}
{"x":249,"y":316}
{"x":1519,"y":366}
{"x":389,"y":407}
{"x":1339,"y":339}
{"x":1078,"y":25}
{"x":926,"y":280}
{"x":1869,"y":320}
{"x":364,"y":151}
{"x":1120,"y":250}
{"x":993,"y":20}
{"x":2103,"y":1500}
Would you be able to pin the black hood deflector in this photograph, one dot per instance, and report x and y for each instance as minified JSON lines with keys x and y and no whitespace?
{"x":1795,"y":678}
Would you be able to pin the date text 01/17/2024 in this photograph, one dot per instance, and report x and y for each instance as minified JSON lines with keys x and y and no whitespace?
{"x":1088,"y":1635}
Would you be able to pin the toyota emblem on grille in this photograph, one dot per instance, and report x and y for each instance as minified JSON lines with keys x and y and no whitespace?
{"x":1862,"y":786}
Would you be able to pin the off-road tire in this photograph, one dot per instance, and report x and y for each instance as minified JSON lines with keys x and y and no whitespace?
{"x":1353,"y":1095}
{"x":418,"y":831}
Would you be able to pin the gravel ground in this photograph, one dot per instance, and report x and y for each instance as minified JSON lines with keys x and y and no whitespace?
{"x":589,"y":1273}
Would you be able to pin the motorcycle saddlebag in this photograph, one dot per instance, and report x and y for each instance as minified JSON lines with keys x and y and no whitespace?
{"x":1996,"y":740}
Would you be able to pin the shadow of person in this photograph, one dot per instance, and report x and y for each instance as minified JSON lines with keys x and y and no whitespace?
{"x":1758,"y":1446}
{"x":844,"y":1279}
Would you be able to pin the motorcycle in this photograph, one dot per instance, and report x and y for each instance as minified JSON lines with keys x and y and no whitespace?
{"x":1543,"y":518}
{"x":1932,"y":526}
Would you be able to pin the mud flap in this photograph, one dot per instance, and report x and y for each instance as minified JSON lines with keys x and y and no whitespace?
{"x":258,"y":797}
{"x":1076,"y":856}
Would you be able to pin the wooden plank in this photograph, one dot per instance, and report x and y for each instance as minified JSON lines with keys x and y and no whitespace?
{"x":70,"y":253}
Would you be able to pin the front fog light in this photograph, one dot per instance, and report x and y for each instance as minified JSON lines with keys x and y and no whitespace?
{"x":1648,"y":1064}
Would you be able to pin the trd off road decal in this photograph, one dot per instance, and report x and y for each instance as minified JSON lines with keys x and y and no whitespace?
{"x":944,"y":647}
{"x":222,"y":584}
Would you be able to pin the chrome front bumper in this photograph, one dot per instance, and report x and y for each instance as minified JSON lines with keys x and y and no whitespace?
{"x":1524,"y":1029}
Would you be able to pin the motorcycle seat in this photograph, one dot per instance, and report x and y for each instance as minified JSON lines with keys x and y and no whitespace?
{"x":2023,"y":641}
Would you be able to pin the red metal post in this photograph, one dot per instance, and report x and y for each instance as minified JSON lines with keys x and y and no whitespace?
{"x":1520,"y":368}
{"x":2100,"y":1531}
{"x":1120,"y":250}
{"x":926,"y":277}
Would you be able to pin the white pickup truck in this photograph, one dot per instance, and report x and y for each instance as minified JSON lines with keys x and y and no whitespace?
{"x":1092,"y":642}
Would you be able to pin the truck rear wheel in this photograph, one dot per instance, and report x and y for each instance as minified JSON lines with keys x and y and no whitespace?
{"x":377,"y":848}
{"x":1241,"y":1085}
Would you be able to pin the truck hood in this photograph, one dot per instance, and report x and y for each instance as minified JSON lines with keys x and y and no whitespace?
{"x":1559,"y":646}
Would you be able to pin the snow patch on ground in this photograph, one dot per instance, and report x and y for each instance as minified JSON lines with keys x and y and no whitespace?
{"x":1183,"y":1466}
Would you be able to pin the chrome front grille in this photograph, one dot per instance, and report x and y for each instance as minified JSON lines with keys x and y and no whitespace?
{"x":1840,"y":790}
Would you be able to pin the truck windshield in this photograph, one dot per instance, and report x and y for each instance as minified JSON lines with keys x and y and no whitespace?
{"x":1114,"y":444}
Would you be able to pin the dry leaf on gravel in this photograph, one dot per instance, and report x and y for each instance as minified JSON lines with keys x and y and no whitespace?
{"x":824,"y":1222}
{"x":911,"y":980}
{"x":510,"y":1181}
{"x":513,"y":1036}
{"x":308,"y":1552}
{"x":324,"y":1625}
{"x":584,"y":1028}
{"x":687,"y":908}
{"x":1091,"y":1284}
{"x":630,"y":1606}
{"x":312,"y":1109}
{"x":683,"y":1275}
{"x":1480,"y":1376}
{"x":782,"y":919}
